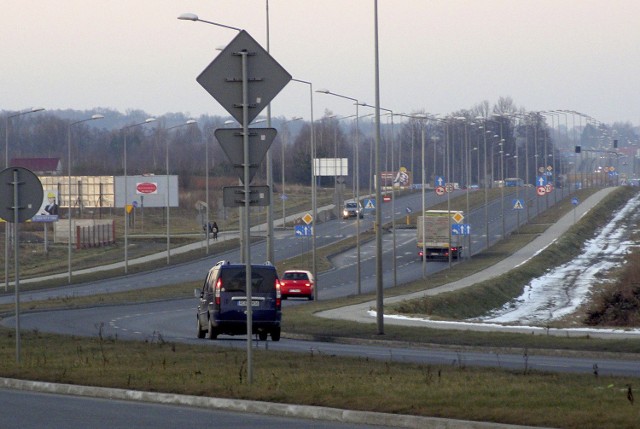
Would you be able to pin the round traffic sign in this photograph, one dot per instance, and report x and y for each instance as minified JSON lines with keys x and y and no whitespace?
{"x":541,"y":190}
{"x":29,"y":194}
{"x":439,"y":190}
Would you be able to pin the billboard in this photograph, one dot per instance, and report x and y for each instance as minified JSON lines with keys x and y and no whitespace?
{"x":147,"y":191}
{"x":331,"y":167}
{"x":400,"y":179}
{"x":48,"y":211}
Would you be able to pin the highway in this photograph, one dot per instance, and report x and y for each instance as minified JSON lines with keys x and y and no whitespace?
{"x":174,"y":320}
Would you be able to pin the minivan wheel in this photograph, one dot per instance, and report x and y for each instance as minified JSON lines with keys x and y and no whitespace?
{"x":262,"y":335}
{"x":201,"y":332}
{"x":213,"y":333}
{"x":275,"y":334}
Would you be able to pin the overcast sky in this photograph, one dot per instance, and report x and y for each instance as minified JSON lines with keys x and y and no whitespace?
{"x":435,"y":55}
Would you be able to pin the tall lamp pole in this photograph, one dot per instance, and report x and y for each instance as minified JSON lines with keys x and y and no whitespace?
{"x":168,"y":202}
{"x":70,"y":198}
{"x":378,"y":227}
{"x":7,"y":227}
{"x":314,"y":207}
{"x":282,"y":172}
{"x":357,"y":178}
{"x":393,"y":198}
{"x":125,"y":196}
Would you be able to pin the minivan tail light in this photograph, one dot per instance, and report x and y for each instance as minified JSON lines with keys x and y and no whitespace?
{"x":278,"y":294}
{"x":217,"y":291}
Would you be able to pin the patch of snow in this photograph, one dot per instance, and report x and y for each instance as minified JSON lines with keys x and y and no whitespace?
{"x":563,"y":289}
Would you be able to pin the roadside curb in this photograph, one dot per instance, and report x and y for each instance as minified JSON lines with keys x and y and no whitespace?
{"x":255,"y":407}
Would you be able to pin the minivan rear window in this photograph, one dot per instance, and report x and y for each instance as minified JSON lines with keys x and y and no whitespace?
{"x":234,"y":279}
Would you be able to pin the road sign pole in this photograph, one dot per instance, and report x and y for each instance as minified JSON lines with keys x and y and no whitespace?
{"x":16,"y":260}
{"x":215,"y":79}
{"x":247,"y":227}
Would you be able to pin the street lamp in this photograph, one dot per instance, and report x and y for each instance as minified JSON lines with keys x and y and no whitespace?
{"x":422,"y":118}
{"x":379,"y":186}
{"x":467,"y":164}
{"x":282,"y":170}
{"x":357,"y":179}
{"x":314,"y":208}
{"x":125,"y":196}
{"x":486,"y":196}
{"x":92,"y":118}
{"x":194,"y":17}
{"x":189,"y":122}
{"x":246,"y":251}
{"x":7,"y":227}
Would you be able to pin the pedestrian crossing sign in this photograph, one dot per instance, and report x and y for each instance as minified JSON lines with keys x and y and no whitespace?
{"x":518,"y":205}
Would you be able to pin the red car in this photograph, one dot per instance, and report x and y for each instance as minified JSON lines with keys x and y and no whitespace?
{"x":297,"y":283}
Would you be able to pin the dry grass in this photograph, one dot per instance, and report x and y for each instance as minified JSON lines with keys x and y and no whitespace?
{"x":315,"y":378}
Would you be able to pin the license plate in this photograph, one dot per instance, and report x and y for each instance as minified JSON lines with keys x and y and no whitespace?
{"x":243,"y":303}
{"x":295,"y":290}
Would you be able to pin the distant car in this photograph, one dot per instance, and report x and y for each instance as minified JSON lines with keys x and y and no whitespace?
{"x":223,"y":301}
{"x":297,"y":283}
{"x":352,"y":209}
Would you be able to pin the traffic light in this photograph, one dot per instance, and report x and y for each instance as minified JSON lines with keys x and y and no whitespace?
{"x":615,"y":144}
{"x":577,"y":149}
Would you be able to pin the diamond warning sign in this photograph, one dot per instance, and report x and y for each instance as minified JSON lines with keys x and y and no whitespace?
{"x":457,"y":217}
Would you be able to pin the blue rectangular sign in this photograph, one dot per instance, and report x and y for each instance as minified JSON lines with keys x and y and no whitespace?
{"x":460,"y":229}
{"x":303,"y":230}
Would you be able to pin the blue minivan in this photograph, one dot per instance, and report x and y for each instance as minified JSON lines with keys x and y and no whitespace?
{"x":223,"y":301}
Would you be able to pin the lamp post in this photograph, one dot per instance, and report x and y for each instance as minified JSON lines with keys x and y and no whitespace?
{"x":378,"y":227}
{"x":168,"y":202}
{"x":422,"y":118}
{"x":245,"y":132}
{"x":486,"y":196}
{"x":282,"y":171}
{"x":125,"y":196}
{"x":7,"y":227}
{"x":92,"y":118}
{"x":467,"y":164}
{"x":314,"y":208}
{"x":357,"y":179}
{"x":393,"y":199}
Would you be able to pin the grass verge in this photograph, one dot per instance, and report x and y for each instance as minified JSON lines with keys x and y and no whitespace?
{"x":315,"y":378}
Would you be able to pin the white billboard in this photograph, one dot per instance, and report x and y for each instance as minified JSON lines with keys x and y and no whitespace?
{"x":147,"y":191}
{"x":331,"y":166}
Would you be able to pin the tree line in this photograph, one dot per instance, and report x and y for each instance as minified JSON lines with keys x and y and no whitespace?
{"x":499,"y":139}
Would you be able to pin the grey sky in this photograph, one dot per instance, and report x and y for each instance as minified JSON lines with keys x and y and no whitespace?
{"x":435,"y":55}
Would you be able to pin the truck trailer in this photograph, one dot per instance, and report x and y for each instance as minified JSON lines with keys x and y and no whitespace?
{"x":435,"y":228}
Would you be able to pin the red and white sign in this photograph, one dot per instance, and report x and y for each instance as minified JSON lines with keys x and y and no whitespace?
{"x":386,"y":198}
{"x":541,"y":190}
{"x":549,"y":188}
{"x":146,"y":188}
{"x":439,"y":190}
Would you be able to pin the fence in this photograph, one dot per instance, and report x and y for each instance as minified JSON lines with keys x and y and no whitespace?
{"x":86,"y":232}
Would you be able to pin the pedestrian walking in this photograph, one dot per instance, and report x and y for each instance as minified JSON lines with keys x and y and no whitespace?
{"x":214,"y":230}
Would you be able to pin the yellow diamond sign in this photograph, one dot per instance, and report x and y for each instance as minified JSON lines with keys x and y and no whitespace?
{"x":457,"y":217}
{"x":307,"y":218}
